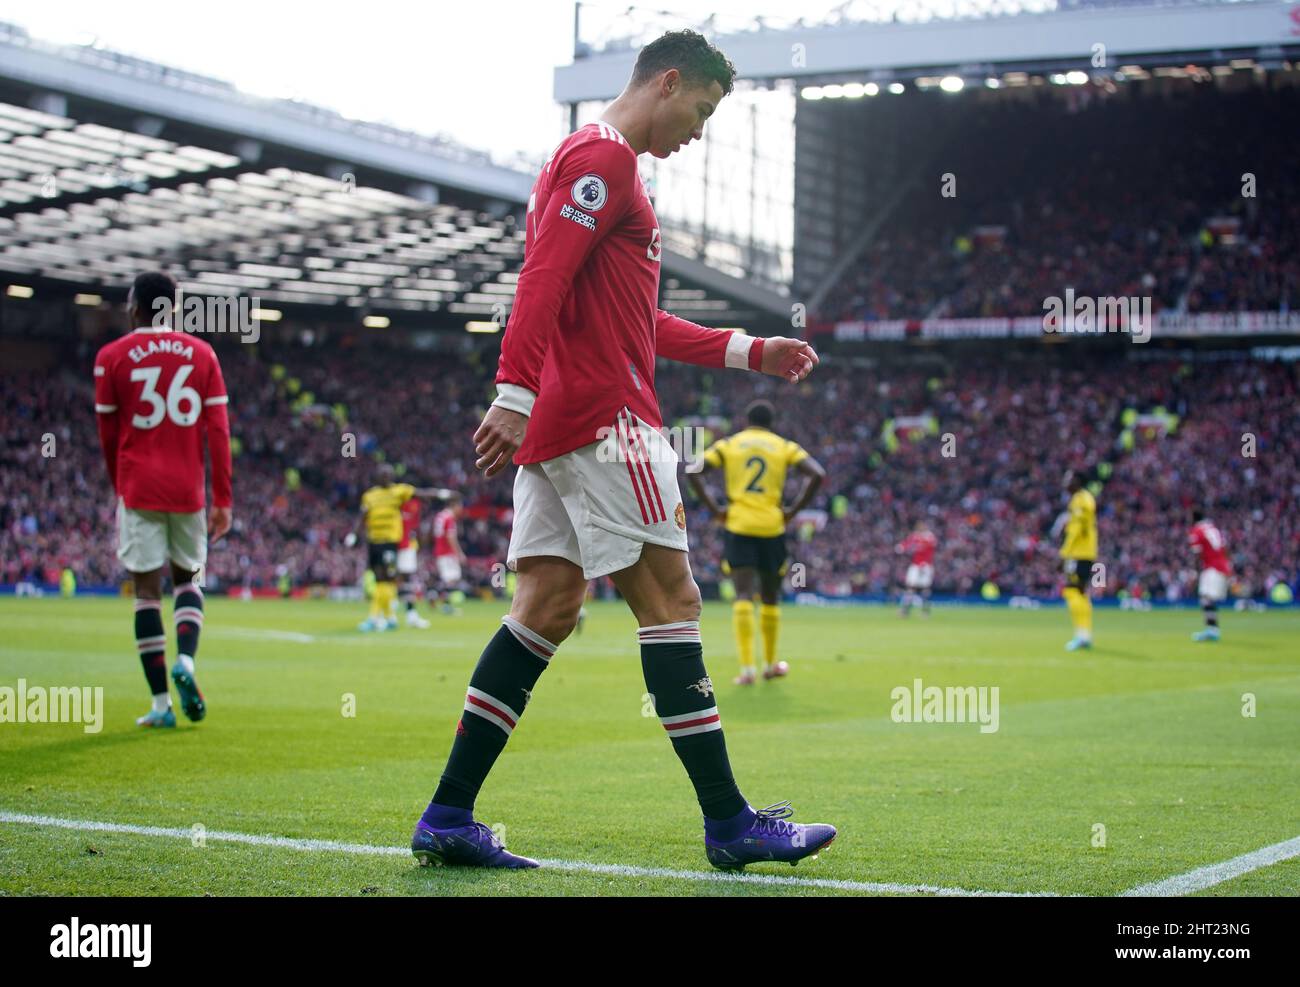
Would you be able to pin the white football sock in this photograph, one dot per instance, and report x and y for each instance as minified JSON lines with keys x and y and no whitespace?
{"x":162,"y":702}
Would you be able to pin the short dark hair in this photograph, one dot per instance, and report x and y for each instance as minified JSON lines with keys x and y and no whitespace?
{"x":1198,"y":516}
{"x":690,"y":54}
{"x":761,"y":413}
{"x":151,"y":287}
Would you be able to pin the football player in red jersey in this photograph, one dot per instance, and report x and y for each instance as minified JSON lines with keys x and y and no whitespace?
{"x":158,"y":394}
{"x":408,"y":563}
{"x":920,"y":545}
{"x":448,"y":557}
{"x":1210,"y":547}
{"x":596,"y":488}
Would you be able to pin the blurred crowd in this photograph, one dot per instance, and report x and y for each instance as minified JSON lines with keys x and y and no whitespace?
{"x":976,"y":442}
{"x":1191,"y":199}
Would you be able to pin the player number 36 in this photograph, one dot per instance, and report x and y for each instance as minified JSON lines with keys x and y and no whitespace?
{"x":182,"y":405}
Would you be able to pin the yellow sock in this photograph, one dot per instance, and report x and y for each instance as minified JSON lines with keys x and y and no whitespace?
{"x":769,"y":621}
{"x":375,"y":599}
{"x":742,"y":620}
{"x":1080,"y":608}
{"x":1084,"y":619}
{"x":384,"y":593}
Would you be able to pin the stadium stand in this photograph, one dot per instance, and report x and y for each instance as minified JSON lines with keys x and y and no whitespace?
{"x":1139,"y":194}
{"x":1017,"y":421}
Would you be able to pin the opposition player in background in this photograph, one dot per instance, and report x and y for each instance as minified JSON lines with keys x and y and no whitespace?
{"x":158,"y":395}
{"x":408,"y":563}
{"x":1210,"y":547}
{"x":920,"y":544}
{"x":448,"y":558}
{"x":1078,"y":554}
{"x":575,"y":382}
{"x":755,"y":462}
{"x":381,"y":508}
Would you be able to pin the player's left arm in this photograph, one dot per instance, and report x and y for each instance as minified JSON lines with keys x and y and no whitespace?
{"x":816,"y":476}
{"x":106,"y":416}
{"x":216,"y":420}
{"x":453,"y":539}
{"x":688,"y":342}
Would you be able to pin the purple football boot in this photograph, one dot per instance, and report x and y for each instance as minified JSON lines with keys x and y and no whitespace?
{"x":472,"y":845}
{"x":769,"y":837}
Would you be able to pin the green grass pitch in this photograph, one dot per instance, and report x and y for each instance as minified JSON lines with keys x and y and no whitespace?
{"x":1144,"y":736}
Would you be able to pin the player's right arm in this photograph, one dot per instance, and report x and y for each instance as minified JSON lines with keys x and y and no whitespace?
{"x":106,"y":414}
{"x":712,"y":459}
{"x":564,"y":234}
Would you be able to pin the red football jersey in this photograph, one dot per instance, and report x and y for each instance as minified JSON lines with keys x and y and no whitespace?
{"x":586,"y":327}
{"x":444,"y":526}
{"x":1207,"y":542}
{"x":921,"y":544}
{"x":156,"y":393}
{"x":410,"y":521}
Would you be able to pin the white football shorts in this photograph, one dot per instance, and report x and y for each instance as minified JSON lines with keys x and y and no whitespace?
{"x":1213,"y":585}
{"x":598,"y":505}
{"x":448,"y":568}
{"x":407,"y":563}
{"x":148,"y":539}
{"x":919,"y":576}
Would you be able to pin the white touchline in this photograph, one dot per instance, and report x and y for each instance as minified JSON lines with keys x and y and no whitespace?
{"x":1182,"y":884}
{"x":1207,"y":877}
{"x":258,"y":633}
{"x":579,"y":866}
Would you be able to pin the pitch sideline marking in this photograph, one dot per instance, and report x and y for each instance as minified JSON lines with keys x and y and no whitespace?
{"x":577,"y":866}
{"x":1212,"y":874}
{"x":1178,"y":885}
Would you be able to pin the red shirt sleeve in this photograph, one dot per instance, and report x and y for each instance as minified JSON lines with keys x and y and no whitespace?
{"x":217,"y":421}
{"x":563,"y":235}
{"x":106,"y":415}
{"x":686,"y":342}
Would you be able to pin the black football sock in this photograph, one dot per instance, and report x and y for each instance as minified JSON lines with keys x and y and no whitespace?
{"x":187,"y":611}
{"x":499,"y":690}
{"x":672,"y":661}
{"x":1211,"y":614}
{"x":151,"y":642}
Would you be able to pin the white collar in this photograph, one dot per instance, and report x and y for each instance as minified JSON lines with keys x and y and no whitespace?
{"x":606,"y":123}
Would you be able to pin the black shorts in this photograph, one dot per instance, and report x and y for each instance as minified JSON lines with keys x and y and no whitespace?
{"x":751,"y":552}
{"x":383,"y":560}
{"x":1078,"y":573}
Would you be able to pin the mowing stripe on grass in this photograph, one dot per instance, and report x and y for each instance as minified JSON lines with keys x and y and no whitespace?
{"x":1207,"y":877}
{"x":576,"y":866}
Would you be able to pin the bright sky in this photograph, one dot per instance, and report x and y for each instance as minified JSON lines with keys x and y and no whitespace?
{"x":479,"y":71}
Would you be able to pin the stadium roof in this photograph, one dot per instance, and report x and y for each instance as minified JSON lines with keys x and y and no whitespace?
{"x":885,"y":41}
{"x":126,"y":165}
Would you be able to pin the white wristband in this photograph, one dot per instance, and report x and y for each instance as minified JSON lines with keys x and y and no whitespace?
{"x":512,"y":397}
{"x":738,"y":347}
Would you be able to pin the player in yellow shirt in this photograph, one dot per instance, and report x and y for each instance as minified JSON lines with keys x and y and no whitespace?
{"x":1079,"y":552}
{"x":381,"y":507}
{"x":755,"y":463}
